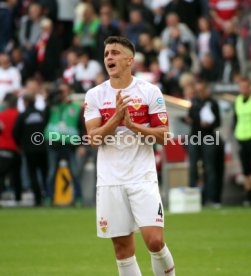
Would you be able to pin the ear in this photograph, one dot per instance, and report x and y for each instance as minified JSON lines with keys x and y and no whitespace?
{"x":130,"y":61}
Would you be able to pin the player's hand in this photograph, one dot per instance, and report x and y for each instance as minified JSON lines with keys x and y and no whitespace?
{"x":127,"y":119}
{"x":121,"y":105}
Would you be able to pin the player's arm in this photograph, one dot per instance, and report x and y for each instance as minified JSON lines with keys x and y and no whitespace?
{"x":96,"y":132}
{"x":161,"y":132}
{"x":158,"y":118}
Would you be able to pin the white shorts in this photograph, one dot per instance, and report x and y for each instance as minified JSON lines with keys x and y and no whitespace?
{"x":123,"y":209}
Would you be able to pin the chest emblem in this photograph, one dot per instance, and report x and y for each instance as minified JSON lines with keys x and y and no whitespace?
{"x":136,"y":103}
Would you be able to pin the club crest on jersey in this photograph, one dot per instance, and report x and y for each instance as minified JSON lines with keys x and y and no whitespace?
{"x":162,"y":117}
{"x":103,"y":224}
{"x":136,"y":103}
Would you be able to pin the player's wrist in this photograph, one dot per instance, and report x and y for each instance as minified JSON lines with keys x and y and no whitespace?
{"x":132,"y":126}
{"x":117,"y":118}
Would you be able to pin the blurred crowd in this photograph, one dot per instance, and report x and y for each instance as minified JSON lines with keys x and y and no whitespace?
{"x":51,"y":48}
{"x":175,"y":40}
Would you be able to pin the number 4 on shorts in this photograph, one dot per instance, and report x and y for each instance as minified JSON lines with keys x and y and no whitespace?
{"x":160,"y":212}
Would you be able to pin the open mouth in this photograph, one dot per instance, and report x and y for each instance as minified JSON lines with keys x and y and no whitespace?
{"x":111,"y":65}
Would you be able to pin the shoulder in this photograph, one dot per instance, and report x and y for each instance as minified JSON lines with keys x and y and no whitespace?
{"x":150,"y":92}
{"x":147,"y":86}
{"x":97,"y":91}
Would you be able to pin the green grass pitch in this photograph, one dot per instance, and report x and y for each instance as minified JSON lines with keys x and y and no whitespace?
{"x":62,"y":242}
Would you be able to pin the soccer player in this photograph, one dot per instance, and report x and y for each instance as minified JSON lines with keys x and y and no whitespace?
{"x":124,"y":116}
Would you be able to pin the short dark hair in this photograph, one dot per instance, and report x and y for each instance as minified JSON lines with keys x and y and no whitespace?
{"x":120,"y":40}
{"x":10,"y":100}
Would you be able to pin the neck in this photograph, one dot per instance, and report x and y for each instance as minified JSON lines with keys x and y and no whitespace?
{"x":121,"y":83}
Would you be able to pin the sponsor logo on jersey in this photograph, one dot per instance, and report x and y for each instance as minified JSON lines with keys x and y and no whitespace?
{"x":162,"y":117}
{"x":103,"y":225}
{"x":136,"y":103}
{"x":137,"y":114}
{"x":160,"y":101}
{"x":107,"y":103}
{"x":159,"y":220}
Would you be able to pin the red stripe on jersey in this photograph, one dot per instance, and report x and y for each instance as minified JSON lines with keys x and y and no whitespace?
{"x":158,"y":119}
{"x":139,"y":115}
{"x":106,"y":114}
{"x":226,"y":9}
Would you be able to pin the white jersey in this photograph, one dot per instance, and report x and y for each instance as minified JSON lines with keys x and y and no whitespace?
{"x":10,"y":81}
{"x":40,"y":103}
{"x":69,"y":74}
{"x":87,"y":74}
{"x":127,"y":160}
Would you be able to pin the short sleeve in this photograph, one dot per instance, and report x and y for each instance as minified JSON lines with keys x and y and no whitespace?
{"x":157,"y":109}
{"x":90,"y":107}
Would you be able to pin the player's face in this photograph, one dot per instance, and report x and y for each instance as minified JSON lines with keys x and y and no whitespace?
{"x":117,"y":59}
